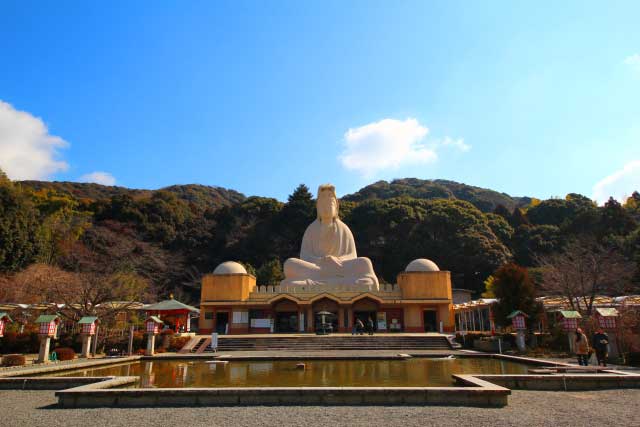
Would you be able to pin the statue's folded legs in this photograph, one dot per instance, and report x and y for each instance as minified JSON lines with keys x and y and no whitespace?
{"x":353,"y":272}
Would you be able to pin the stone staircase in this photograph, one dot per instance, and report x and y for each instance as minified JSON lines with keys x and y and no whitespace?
{"x":321,"y":343}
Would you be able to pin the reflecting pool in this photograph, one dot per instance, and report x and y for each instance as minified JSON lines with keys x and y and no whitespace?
{"x":415,"y":372}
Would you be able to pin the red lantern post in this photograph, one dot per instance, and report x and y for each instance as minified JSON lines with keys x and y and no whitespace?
{"x":89,"y":325}
{"x":4,"y":319}
{"x":153,"y":325}
{"x":48,"y":327}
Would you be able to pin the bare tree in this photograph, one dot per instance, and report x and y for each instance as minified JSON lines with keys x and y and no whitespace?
{"x":584,"y":270}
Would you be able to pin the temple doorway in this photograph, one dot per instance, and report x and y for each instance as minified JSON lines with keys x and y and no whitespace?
{"x":430,"y":321}
{"x":364,"y":310}
{"x":326,"y":305}
{"x":222,"y":322}
{"x":286,"y":316}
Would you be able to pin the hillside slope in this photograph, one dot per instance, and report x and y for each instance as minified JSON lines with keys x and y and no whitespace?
{"x":484,"y":199}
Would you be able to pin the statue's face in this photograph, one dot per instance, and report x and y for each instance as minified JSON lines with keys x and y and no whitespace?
{"x":327,"y":205}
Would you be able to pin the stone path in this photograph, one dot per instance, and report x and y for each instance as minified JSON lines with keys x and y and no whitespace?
{"x":530,"y":408}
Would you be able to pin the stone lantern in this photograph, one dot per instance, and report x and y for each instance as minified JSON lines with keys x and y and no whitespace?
{"x":4,"y":319}
{"x":153,"y":325}
{"x":89,"y":326}
{"x":570,"y":324}
{"x":48,"y":327}
{"x":607,"y":318}
{"x":518,"y":322}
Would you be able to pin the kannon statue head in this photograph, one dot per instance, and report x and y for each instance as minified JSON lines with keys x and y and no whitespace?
{"x":327,"y":204}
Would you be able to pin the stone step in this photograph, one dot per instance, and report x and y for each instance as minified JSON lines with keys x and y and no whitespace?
{"x":322,"y":343}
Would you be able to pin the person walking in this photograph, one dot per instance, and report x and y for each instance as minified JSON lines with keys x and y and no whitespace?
{"x":600,"y":345}
{"x":582,"y":348}
{"x":370,"y":326}
{"x":359,"y":327}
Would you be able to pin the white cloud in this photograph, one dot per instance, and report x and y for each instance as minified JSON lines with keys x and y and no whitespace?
{"x":620,"y":184}
{"x":389,"y":144}
{"x":104,"y":178}
{"x":633,"y":61}
{"x":27,"y":150}
{"x":456,"y":143}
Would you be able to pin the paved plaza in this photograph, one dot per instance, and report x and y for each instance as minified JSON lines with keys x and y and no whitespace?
{"x":531,"y":408}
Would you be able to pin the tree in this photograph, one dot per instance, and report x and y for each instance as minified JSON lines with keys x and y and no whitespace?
{"x":293,"y":220}
{"x":514,"y":290}
{"x":584,"y":270}
{"x":19,"y":229}
{"x":615,"y":219}
{"x":270,"y":273}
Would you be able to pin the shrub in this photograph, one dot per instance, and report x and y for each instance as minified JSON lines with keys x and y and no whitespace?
{"x":13,"y":360}
{"x":633,"y":358}
{"x":13,"y":342}
{"x":160,"y":350}
{"x":140,"y":351}
{"x":167,"y":332}
{"x":65,"y":353}
{"x":178,"y":342}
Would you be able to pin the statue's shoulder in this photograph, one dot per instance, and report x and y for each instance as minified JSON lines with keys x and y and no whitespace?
{"x":312,"y":227}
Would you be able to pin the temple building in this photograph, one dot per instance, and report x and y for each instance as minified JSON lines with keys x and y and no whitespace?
{"x":328,"y":287}
{"x":232,"y":303}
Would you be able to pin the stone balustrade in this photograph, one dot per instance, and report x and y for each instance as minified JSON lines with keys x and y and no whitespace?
{"x":279,"y":289}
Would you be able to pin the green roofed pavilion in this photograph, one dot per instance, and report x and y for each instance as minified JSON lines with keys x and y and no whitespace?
{"x":174,"y":313}
{"x":607,"y":312}
{"x":570,"y":314}
{"x":87,"y":319}
{"x":47,"y":318}
{"x":516,"y":313}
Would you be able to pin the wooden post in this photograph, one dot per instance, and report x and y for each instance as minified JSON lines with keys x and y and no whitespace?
{"x":95,"y":342}
{"x":86,"y":345}
{"x":43,"y":355}
{"x":130,"y":348}
{"x":151,"y":341}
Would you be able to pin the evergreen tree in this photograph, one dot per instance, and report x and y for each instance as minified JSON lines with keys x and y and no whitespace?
{"x":515,"y":291}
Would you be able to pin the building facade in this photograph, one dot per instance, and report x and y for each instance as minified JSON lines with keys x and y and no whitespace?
{"x":232,"y":303}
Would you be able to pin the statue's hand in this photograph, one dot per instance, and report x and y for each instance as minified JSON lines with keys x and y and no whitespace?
{"x":331,"y":263}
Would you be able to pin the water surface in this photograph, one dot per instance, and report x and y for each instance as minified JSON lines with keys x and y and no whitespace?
{"x":416,"y":372}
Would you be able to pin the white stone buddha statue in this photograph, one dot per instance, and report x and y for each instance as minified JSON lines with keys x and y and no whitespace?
{"x":328,"y":254}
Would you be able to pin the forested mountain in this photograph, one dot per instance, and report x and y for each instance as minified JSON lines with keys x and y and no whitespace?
{"x":484,"y":199}
{"x":203,"y":196}
{"x":168,"y":238}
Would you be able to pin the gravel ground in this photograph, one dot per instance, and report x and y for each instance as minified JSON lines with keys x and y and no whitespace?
{"x":530,"y":408}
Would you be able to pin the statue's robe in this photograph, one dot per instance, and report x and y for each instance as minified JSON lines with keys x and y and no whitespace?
{"x":322,"y":240}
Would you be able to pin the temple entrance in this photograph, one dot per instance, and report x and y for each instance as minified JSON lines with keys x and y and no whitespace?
{"x":286,"y":322}
{"x":430,"y":321}
{"x":364,"y":310}
{"x":326,"y":305}
{"x":286,"y":316}
{"x":222,"y":320}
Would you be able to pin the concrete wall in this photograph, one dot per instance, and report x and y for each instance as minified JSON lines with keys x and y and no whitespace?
{"x":425,"y":285}
{"x":227,"y":287}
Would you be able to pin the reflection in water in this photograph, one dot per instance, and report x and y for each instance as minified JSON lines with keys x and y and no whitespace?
{"x":417,"y":372}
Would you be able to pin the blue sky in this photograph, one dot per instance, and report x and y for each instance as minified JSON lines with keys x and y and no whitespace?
{"x":529,"y":98}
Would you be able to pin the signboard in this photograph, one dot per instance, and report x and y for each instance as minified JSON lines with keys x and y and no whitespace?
{"x":260,"y":323}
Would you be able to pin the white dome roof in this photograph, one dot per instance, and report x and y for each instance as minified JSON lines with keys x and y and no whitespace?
{"x":422,"y":264}
{"x":230,"y":267}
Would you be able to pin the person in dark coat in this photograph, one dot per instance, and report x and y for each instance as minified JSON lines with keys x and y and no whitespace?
{"x":370,"y":326}
{"x":600,"y":344}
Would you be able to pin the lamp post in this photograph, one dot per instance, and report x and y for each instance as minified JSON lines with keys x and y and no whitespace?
{"x":89,"y":325}
{"x":153,"y":327}
{"x":48,"y":327}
